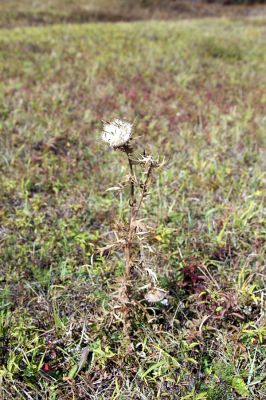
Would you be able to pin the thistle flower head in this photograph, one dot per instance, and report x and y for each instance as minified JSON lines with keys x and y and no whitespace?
{"x":117,"y":133}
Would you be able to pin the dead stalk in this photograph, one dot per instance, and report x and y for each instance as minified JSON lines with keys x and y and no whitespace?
{"x":118,"y":135}
{"x":134,"y":211}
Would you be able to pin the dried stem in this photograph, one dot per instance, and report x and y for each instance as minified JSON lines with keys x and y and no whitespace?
{"x":135,"y":205}
{"x":132,"y":186}
{"x":134,"y":210}
{"x":132,"y":204}
{"x":145,"y":186}
{"x":118,"y":135}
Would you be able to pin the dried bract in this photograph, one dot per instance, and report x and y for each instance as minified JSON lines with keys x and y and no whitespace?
{"x":155,"y":295}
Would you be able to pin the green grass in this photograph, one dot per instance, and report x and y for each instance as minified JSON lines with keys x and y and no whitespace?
{"x":196,"y":90}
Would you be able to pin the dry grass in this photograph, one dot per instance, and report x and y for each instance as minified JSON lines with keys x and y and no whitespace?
{"x":197,"y":91}
{"x":15,"y":13}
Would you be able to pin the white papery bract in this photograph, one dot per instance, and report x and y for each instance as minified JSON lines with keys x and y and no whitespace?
{"x":117,"y":133}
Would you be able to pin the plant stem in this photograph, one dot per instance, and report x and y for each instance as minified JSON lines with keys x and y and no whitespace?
{"x":132,"y":186}
{"x":144,"y":189}
{"x":134,"y":211}
{"x":132,"y":203}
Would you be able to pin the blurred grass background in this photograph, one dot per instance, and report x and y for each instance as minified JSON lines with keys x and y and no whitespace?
{"x":28,"y":12}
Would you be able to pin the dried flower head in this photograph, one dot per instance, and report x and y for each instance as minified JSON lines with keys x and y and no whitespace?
{"x":155,"y":295}
{"x":117,"y":133}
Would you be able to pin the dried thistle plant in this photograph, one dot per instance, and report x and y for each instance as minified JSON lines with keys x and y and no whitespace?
{"x":118,"y":135}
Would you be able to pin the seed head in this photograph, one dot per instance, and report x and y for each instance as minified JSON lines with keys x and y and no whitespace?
{"x":117,"y":133}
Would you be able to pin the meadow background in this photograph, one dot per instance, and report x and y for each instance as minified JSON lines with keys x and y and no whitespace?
{"x":193,"y":78}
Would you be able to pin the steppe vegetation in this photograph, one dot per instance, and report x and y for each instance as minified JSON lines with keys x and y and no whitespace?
{"x":14,"y":13}
{"x":196,"y":91}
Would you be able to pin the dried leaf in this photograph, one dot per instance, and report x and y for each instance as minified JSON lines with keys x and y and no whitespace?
{"x":113,"y":188}
{"x":83,"y":358}
{"x":102,"y":250}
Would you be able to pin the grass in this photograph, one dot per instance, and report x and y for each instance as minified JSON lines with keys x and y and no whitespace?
{"x":196,"y":90}
{"x":14,"y":13}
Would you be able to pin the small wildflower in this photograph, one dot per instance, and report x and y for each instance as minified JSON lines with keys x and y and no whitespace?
{"x":117,"y":133}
